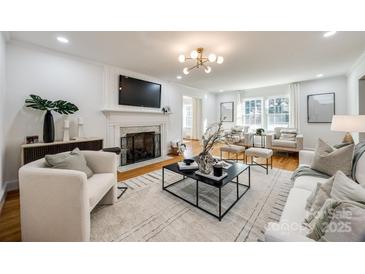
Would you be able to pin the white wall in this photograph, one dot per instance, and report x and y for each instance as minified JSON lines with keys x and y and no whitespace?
{"x":353,"y":77}
{"x":54,"y":75}
{"x":2,"y":112}
{"x":311,"y":131}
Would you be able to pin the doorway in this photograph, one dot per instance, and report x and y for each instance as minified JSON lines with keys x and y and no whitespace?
{"x":192,"y":118}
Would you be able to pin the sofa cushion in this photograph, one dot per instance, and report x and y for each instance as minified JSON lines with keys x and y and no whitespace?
{"x":308,"y":182}
{"x":97,"y":186}
{"x":288,"y":136}
{"x":294,"y":210}
{"x":284,"y":143}
{"x":73,"y":160}
{"x":329,"y":160}
{"x":346,"y":189}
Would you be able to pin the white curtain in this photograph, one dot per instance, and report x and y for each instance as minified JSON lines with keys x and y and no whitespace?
{"x":196,"y":132}
{"x":294,"y":119}
{"x":238,"y":111}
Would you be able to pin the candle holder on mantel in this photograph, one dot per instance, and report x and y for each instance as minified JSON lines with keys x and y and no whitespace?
{"x":66,"y":130}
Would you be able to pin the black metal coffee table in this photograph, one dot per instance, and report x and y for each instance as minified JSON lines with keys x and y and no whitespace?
{"x":233,"y":173}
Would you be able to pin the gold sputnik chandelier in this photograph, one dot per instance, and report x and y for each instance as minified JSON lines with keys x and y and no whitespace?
{"x":201,"y":60}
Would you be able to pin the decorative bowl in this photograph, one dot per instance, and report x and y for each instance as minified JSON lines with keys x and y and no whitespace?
{"x":188,"y":162}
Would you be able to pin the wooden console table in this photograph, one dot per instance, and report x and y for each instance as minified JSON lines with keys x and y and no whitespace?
{"x":32,"y":152}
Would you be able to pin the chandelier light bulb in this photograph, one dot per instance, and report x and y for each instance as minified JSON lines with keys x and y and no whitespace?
{"x":212,"y":57}
{"x":194,"y":54}
{"x":186,"y":71}
{"x":181,"y":58}
{"x":220,"y":59}
{"x":208,"y":69}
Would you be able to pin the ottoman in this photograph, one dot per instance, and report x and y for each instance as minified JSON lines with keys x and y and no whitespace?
{"x":232,"y":149}
{"x":257,"y":152}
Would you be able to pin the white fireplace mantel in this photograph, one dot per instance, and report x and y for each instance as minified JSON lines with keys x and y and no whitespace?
{"x":134,"y":110}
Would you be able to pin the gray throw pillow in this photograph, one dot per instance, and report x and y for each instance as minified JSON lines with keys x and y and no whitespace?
{"x":73,"y":160}
{"x":329,"y":160}
{"x":321,"y":194}
{"x":346,"y":189}
{"x":339,"y":221}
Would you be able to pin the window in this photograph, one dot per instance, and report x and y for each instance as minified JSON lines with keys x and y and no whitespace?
{"x":187,"y":116}
{"x":252,"y":113}
{"x":278,"y":112}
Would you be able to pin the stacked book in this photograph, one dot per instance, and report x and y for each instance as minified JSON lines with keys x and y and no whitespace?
{"x":183,"y":166}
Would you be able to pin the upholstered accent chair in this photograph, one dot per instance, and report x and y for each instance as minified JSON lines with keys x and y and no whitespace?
{"x":239,"y":135}
{"x":55,"y":204}
{"x":285,"y":139}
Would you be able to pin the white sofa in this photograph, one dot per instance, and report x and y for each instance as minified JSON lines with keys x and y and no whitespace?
{"x":55,"y":204}
{"x":289,"y":228}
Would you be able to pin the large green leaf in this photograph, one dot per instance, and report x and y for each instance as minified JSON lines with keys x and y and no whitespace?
{"x":60,"y":106}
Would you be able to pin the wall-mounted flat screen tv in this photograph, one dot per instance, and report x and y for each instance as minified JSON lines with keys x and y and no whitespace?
{"x":140,"y":93}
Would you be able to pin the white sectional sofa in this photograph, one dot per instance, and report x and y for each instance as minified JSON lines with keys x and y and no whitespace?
{"x":55,"y":204}
{"x":289,"y":228}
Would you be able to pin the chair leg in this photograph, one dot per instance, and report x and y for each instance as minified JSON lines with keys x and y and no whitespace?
{"x":237,"y":157}
{"x":267,"y":166}
{"x":271,"y":162}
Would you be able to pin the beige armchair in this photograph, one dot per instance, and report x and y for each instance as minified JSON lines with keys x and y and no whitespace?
{"x":55,"y":204}
{"x":239,"y":135}
{"x":275,"y":141}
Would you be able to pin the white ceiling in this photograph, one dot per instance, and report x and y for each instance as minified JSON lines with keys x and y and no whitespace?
{"x":252,"y":59}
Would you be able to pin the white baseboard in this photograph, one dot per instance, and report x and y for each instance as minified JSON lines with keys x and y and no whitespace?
{"x":11,"y":185}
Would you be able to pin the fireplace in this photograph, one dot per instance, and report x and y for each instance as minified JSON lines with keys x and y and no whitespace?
{"x":140,"y":146}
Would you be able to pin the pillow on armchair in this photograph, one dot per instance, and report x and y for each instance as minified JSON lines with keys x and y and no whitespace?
{"x":73,"y":160}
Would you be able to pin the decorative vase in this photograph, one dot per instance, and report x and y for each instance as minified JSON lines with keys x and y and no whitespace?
{"x":205,"y":163}
{"x":48,"y":128}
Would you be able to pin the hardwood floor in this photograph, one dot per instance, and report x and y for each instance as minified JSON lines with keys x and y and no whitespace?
{"x":10,"y":214}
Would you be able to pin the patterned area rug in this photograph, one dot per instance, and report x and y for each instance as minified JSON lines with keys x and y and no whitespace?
{"x":146,"y":213}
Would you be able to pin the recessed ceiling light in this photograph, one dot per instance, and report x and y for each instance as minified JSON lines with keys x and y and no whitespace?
{"x":221,"y":90}
{"x":329,"y":33}
{"x":319,"y":75}
{"x":179,"y":77}
{"x":62,"y":39}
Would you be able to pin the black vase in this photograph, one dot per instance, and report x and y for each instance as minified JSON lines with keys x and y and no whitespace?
{"x":48,"y":127}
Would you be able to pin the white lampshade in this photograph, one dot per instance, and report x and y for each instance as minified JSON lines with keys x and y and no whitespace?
{"x":348,"y":123}
{"x":212,"y":57}
{"x":181,"y":58}
{"x":194,"y":54}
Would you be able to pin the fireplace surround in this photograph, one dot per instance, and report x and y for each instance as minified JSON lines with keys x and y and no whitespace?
{"x":140,"y":146}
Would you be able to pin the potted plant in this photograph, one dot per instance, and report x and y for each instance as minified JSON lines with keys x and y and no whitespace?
{"x":59,"y":106}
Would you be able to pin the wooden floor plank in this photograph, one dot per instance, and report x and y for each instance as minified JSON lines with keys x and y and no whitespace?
{"x":10,"y":215}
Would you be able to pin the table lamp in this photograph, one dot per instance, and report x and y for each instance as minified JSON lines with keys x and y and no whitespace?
{"x":348,"y":123}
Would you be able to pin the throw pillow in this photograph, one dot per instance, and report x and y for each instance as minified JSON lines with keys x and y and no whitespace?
{"x":288,"y":136}
{"x":74,"y":160}
{"x":321,"y":195}
{"x":346,"y":189}
{"x":339,"y":221}
{"x":329,"y":160}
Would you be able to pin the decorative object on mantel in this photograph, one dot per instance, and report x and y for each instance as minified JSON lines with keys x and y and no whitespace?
{"x":211,"y":137}
{"x":59,"y":106}
{"x":201,"y":61}
{"x":348,"y":123}
{"x":166,"y":109}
